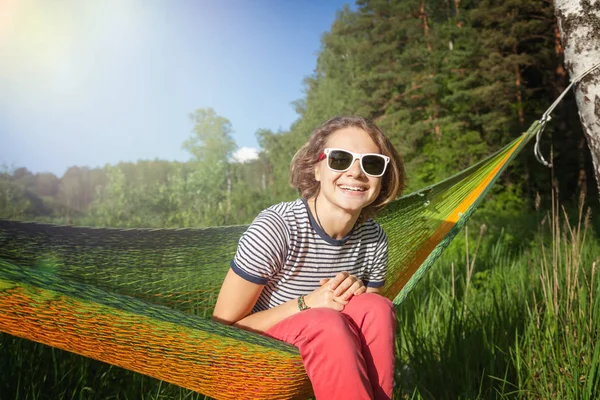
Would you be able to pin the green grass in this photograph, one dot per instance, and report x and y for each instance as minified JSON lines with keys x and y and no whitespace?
{"x":497,"y":323}
{"x":489,"y":321}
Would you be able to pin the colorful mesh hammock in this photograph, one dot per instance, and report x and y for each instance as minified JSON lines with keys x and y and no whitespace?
{"x":141,"y":299}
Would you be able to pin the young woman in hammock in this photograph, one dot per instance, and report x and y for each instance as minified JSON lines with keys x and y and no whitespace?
{"x":308,"y":272}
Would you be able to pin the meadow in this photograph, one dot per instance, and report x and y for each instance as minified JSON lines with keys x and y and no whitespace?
{"x":493,"y":321}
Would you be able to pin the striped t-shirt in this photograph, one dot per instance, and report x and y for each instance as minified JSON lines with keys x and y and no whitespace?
{"x":286,"y":250}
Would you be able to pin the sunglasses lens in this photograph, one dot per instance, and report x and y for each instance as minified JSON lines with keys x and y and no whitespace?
{"x":373,"y":165}
{"x":340,"y":160}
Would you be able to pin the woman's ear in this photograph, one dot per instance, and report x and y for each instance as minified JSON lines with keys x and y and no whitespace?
{"x":317,"y":172}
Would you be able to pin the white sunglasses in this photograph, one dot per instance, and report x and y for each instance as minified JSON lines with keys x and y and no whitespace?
{"x":340,"y":160}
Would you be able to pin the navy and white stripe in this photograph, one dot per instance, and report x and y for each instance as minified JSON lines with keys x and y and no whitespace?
{"x":286,"y":250}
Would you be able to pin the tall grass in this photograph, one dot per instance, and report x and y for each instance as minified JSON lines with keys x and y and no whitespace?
{"x":498,"y":323}
{"x":559,"y":354}
{"x":489,"y":321}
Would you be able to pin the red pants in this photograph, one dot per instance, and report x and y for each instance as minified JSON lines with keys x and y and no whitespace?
{"x":348,"y":354}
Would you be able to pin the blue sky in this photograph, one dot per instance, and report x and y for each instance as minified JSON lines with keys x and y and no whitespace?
{"x":86,"y":82}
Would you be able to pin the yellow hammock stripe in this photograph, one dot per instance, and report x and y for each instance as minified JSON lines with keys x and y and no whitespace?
{"x":409,"y":265}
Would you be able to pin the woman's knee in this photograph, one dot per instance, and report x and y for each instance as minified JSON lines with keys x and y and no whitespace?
{"x":374,"y":300}
{"x":330,"y":325}
{"x":375,"y":306}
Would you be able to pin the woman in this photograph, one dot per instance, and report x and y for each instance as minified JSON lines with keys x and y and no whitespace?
{"x":308,"y":272}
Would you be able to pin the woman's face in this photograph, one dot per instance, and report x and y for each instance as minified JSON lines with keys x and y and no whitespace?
{"x":351,"y":190}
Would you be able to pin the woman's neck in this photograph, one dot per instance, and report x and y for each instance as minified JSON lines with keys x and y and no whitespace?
{"x":336,"y":222}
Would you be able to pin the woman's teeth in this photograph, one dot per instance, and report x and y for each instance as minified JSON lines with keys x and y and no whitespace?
{"x":353,"y":188}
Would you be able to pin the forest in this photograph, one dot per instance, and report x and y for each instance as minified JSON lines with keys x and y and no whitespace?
{"x":448,"y":85}
{"x":449,"y":82}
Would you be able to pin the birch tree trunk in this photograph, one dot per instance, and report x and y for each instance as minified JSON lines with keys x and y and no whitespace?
{"x":579,"y":24}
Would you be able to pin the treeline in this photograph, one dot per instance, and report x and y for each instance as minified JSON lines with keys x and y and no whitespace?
{"x":448,"y":81}
{"x":210,"y":189}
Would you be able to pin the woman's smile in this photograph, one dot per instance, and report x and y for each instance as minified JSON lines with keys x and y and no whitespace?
{"x":351,"y":190}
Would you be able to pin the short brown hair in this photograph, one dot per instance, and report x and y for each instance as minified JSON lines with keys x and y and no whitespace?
{"x":302,"y":168}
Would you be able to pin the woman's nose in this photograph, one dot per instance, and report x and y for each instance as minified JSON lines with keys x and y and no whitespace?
{"x":355,"y":169}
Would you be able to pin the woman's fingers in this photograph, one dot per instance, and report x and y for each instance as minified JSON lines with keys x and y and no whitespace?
{"x":337,"y":301}
{"x":324,"y":297}
{"x":337,"y":291}
{"x":352,"y":290}
{"x":360,"y":290}
{"x":340,"y":300}
{"x":350,"y":285}
{"x":344,"y":284}
{"x":337,"y":280}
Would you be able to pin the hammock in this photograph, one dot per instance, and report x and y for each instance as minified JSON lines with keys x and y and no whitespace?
{"x":142,"y":299}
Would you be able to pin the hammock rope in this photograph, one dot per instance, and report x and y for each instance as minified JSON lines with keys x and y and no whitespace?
{"x":547,"y":118}
{"x":141,"y":299}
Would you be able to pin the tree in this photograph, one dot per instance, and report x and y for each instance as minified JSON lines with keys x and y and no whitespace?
{"x":77,"y":190}
{"x":278,"y":149}
{"x":13,"y":200}
{"x":46,"y":184}
{"x":208,"y":183}
{"x":579,"y":24}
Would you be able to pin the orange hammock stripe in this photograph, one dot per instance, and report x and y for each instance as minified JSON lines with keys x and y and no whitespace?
{"x":156,"y":347}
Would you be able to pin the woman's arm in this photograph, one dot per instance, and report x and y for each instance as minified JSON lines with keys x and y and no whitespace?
{"x":236,"y":300}
{"x":238,"y":296}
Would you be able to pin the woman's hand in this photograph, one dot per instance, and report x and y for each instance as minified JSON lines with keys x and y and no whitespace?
{"x":324,"y":297}
{"x":335,"y":292}
{"x":344,"y":286}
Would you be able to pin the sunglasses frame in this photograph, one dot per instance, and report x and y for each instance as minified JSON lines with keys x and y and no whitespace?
{"x":327,"y":151}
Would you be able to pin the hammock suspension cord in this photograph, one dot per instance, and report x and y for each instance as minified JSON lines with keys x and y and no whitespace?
{"x":546,"y":117}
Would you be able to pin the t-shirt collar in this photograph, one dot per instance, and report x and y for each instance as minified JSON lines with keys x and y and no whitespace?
{"x":322,"y":233}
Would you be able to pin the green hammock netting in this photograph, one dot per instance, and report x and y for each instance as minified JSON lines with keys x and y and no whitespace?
{"x":142,"y":299}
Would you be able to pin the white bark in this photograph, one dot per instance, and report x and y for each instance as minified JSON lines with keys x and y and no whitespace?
{"x":579,"y":24}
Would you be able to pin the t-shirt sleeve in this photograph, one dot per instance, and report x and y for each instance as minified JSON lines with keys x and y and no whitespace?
{"x":376,"y":274}
{"x":262,"y":249}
